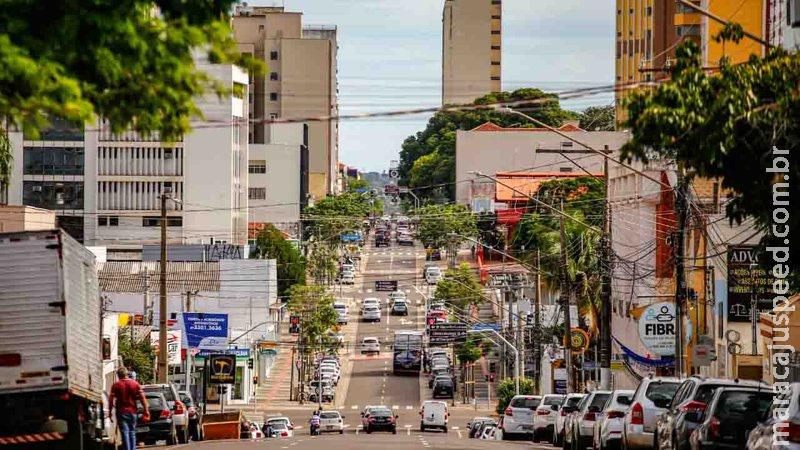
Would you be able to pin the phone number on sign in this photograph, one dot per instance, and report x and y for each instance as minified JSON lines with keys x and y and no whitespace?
{"x":206,"y":327}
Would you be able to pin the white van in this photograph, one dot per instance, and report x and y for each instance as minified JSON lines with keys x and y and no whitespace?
{"x":434,"y":414}
{"x":342,"y":310}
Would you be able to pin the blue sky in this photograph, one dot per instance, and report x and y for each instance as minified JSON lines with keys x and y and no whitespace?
{"x":390,"y":58}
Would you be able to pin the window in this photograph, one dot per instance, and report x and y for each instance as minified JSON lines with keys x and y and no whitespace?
{"x":495,"y":78}
{"x":261,"y":28}
{"x":257,"y":168}
{"x":102,"y":221}
{"x":273,"y":56}
{"x":687,"y":30}
{"x":649,"y":11}
{"x":52,"y":161}
{"x":113,"y":221}
{"x":496,"y":17}
{"x":495,"y":47}
{"x":495,"y":31}
{"x":53,"y":194}
{"x":273,"y":116}
{"x":167,"y":153}
{"x":273,"y":96}
{"x":495,"y":63}
{"x":565,"y":169}
{"x":108,"y":221}
{"x":151,"y":221}
{"x":273,"y":76}
{"x":497,"y":2}
{"x":257,"y":193}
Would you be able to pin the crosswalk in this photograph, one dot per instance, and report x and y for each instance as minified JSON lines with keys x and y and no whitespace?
{"x":394,"y":407}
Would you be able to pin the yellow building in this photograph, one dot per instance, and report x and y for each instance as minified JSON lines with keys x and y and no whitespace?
{"x":747,"y":13}
{"x":471,"y":49}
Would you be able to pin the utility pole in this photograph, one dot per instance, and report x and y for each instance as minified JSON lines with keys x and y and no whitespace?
{"x":537,"y":336}
{"x":566,"y":292}
{"x":188,"y":353}
{"x":163,"y":365}
{"x":605,"y":295}
{"x":682,"y":207}
{"x":147,"y":316}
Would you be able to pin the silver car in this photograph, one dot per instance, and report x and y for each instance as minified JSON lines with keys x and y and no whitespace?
{"x":569,"y":406}
{"x":763,"y":436}
{"x":544,"y":418}
{"x":580,"y":426}
{"x":650,"y":400}
{"x":372,"y":314}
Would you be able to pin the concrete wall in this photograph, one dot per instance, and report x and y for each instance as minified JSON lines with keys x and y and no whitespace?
{"x":25,"y":218}
{"x":282,"y":180}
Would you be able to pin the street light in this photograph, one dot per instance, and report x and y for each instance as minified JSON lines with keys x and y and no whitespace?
{"x":513,"y":348}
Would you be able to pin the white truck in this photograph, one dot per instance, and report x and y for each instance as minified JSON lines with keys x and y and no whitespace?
{"x":51,"y":386}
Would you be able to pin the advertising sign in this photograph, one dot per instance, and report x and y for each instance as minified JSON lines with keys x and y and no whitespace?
{"x":241,"y":353}
{"x":746,"y":279}
{"x":486,"y":326}
{"x":222,"y":369}
{"x":657,"y":328}
{"x":579,"y":340}
{"x":560,"y":381}
{"x":386,"y":285}
{"x":447,"y":333}
{"x":205,"y":331}
{"x":173,"y":345}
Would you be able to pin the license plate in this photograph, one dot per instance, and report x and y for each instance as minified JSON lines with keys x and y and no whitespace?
{"x":142,"y":429}
{"x":527,"y":427}
{"x":329,"y":427}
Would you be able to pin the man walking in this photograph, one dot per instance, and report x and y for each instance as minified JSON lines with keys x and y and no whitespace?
{"x":124,"y":394}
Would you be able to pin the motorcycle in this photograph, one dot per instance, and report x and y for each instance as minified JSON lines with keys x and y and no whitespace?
{"x":315,"y":430}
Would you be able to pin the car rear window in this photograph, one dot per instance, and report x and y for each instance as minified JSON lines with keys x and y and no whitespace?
{"x":167,"y":392}
{"x":553,"y":401}
{"x":743,"y":403}
{"x":525,"y":402}
{"x":705,"y":392}
{"x":380,"y":413}
{"x":278,"y":425}
{"x":573,"y":401}
{"x":661,"y":391}
{"x":329,"y":415}
{"x":599,"y":400}
{"x":154,"y":402}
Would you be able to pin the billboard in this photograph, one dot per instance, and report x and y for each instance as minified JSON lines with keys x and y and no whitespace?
{"x":222,"y":369}
{"x":746,"y":279}
{"x":205,"y":331}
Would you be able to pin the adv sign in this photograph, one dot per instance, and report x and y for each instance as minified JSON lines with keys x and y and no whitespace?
{"x":173,"y":345}
{"x":657,"y":328}
{"x":205,"y":331}
{"x":222,"y":369}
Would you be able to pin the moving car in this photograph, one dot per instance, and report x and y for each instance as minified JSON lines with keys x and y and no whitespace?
{"x":370,"y":301}
{"x":281,"y":425}
{"x":569,"y":406}
{"x":399,"y":308}
{"x":650,"y":400}
{"x":331,"y":421}
{"x":161,"y":426}
{"x":433,"y":414}
{"x":437,"y":371}
{"x":729,"y":417}
{"x":579,"y":431}
{"x":397,"y":295}
{"x":347,"y":278}
{"x":544,"y":418}
{"x":518,"y":416}
{"x":371,"y":314}
{"x":381,"y":240}
{"x":764,"y":435}
{"x":405,"y":239}
{"x":328,"y":391}
{"x":475,"y":424}
{"x":179,"y":411}
{"x":380,"y":419}
{"x":443,"y":387}
{"x":195,"y":416}
{"x":433,"y":275}
{"x":672,"y":430}
{"x":370,"y":345}
{"x":608,"y":426}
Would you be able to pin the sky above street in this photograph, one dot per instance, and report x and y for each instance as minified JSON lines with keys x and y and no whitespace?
{"x":390,"y":59}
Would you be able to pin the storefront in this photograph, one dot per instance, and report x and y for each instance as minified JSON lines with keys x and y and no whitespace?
{"x":242,"y":389}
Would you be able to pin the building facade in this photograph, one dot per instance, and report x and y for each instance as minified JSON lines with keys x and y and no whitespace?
{"x":782,"y":25}
{"x":105,"y":187}
{"x":301,"y":81}
{"x":471,"y":49}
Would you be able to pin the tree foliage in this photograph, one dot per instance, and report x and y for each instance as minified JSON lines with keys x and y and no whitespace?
{"x":725,"y":125}
{"x":357,"y":183}
{"x":473,"y":349}
{"x":315,"y":308}
{"x":506,"y":390}
{"x":138,"y":355}
{"x":130,"y":62}
{"x":460,"y":287}
{"x":337,"y":214}
{"x":598,"y":118}
{"x":427,"y":159}
{"x":443,"y":224}
{"x":270,"y":244}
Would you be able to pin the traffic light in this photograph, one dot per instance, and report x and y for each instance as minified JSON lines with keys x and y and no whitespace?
{"x":491,"y":378}
{"x":294,"y":324}
{"x":250,"y":363}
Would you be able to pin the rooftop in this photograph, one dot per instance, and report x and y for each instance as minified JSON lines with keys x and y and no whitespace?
{"x":489,"y":126}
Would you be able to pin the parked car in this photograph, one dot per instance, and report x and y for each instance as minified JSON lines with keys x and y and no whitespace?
{"x":650,"y":400}
{"x":488,"y":431}
{"x":328,"y":391}
{"x":475,"y":424}
{"x":569,"y":406}
{"x":544,"y":417}
{"x":347,"y":278}
{"x":342,"y":311}
{"x":518,"y":416}
{"x":764,"y":436}
{"x":608,"y":426}
{"x":281,"y":425}
{"x":580,"y":427}
{"x":195,"y":416}
{"x":179,"y":411}
{"x":331,"y":421}
{"x":672,"y":430}
{"x":434,"y":414}
{"x":405,"y":239}
{"x":435,"y":372}
{"x":161,"y":426}
{"x":729,"y":417}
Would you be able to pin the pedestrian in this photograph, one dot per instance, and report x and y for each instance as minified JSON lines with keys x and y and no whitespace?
{"x":124,"y":394}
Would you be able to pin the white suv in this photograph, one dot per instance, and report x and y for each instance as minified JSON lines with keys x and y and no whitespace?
{"x":544,"y":417}
{"x":370,"y":345}
{"x":518,"y":416}
{"x":650,"y":400}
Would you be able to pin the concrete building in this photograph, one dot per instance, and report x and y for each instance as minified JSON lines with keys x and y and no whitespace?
{"x":491,"y":149}
{"x":782,"y":26}
{"x":25,"y":218}
{"x":471,"y":49}
{"x":104,"y":187}
{"x":300,"y":82}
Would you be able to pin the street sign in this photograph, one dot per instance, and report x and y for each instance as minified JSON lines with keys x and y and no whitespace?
{"x":391,"y":189}
{"x":222,"y":369}
{"x":486,"y":326}
{"x":447,"y":333}
{"x":579,"y":340}
{"x":386,"y":285}
{"x":403,"y":189}
{"x":205,"y":331}
{"x":349,"y":237}
{"x":394,"y":173}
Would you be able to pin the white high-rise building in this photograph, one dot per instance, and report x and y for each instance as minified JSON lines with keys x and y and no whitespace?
{"x":105,"y":187}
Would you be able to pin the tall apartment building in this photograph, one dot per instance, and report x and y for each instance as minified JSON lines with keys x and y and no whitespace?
{"x":783,"y":24}
{"x":300,"y":82}
{"x":471,"y":49}
{"x":648,"y":31}
{"x":104,"y":187}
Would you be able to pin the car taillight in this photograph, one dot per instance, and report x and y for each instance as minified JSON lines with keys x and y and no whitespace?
{"x":178,"y":407}
{"x":693,"y":407}
{"x":794,"y":432}
{"x":591,"y":415}
{"x":615,"y":414}
{"x":637,"y":414}
{"x":563,"y":413}
{"x":713,"y":427}
{"x":509,"y":412}
{"x":164,"y":414}
{"x":10,"y":360}
{"x":542,"y":412}
{"x":284,"y":434}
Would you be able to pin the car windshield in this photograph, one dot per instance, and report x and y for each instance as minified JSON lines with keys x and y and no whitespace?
{"x":329,"y":415}
{"x":525,"y":402}
{"x":370,"y":341}
{"x":661,"y":391}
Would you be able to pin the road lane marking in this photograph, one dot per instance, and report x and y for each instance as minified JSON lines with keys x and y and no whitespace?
{"x":453,"y":428}
{"x":354,"y":407}
{"x":459,"y":433}
{"x":409,"y":408}
{"x":395,"y":407}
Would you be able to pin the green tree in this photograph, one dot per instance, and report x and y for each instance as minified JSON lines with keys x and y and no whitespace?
{"x":315,"y":307}
{"x":357,"y":183}
{"x":138,"y":355}
{"x":270,"y":244}
{"x":725,"y":125}
{"x":129,"y":62}
{"x":460,"y":287}
{"x":506,"y":390}
{"x":598,"y":118}
{"x":473,"y":349}
{"x":427,"y":159}
{"x":440,"y":225}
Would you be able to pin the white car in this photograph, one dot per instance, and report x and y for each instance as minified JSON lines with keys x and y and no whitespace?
{"x":370,"y":301}
{"x":329,"y":372}
{"x":347,"y":268}
{"x":370,"y":345}
{"x":569,"y":405}
{"x":342,"y":310}
{"x":434,"y":414}
{"x":518,"y":416}
{"x":331,"y":421}
{"x":433,"y":275}
{"x":397,"y":295}
{"x":608,"y":426}
{"x":371,"y":314}
{"x":347,"y":278}
{"x":287,"y":422}
{"x":544,"y":418}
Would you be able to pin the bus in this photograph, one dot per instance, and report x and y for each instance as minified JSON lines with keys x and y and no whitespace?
{"x":407,"y":352}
